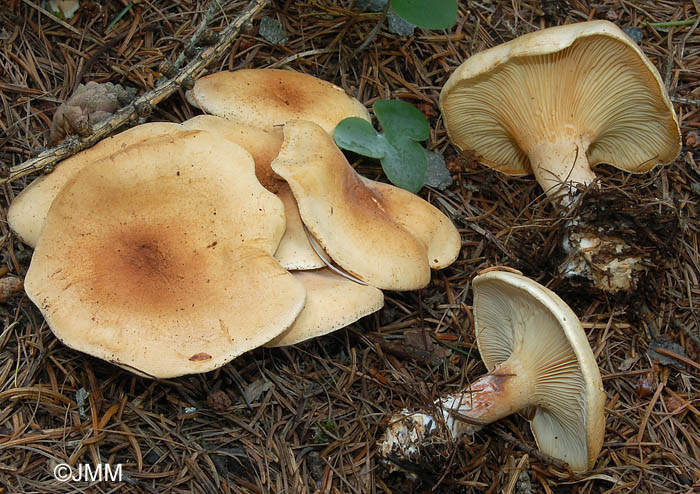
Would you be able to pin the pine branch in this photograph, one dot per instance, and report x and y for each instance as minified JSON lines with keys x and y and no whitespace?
{"x":143,"y":105}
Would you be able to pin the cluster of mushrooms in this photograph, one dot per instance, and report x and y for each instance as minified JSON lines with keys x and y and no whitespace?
{"x":171,"y":249}
{"x":551,"y":103}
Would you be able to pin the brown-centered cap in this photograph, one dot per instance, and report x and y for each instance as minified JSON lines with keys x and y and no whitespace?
{"x":264,"y":98}
{"x":28,"y":210}
{"x":159,"y":258}
{"x":518,"y":319}
{"x":262,"y":144}
{"x":332,"y":302}
{"x":554,"y":101}
{"x":344,"y":215}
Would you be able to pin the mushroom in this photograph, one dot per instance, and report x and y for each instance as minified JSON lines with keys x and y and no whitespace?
{"x":265,"y":98}
{"x":556,"y":102}
{"x":539,"y":360}
{"x":332,"y":302}
{"x":165,"y":269}
{"x":263,"y":145}
{"x":422,"y":220}
{"x":27,"y":212}
{"x":294,"y":250}
{"x":362,"y":228}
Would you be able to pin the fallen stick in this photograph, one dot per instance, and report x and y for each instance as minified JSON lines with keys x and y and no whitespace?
{"x":143,"y":105}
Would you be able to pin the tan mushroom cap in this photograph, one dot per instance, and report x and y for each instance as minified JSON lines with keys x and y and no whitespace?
{"x":263,"y":145}
{"x":423,"y":220}
{"x":344,"y":215}
{"x":264,"y":98}
{"x":295,"y":251}
{"x":28,"y":211}
{"x":519,"y":320}
{"x":165,"y":269}
{"x":332,"y":302}
{"x":555,"y":100}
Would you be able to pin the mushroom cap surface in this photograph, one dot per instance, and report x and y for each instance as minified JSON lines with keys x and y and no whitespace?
{"x":159,"y":258}
{"x":265,"y":98}
{"x":420,"y":218}
{"x":344,"y":215}
{"x":263,"y":145}
{"x":332,"y":302}
{"x":295,"y":251}
{"x":586,"y":80}
{"x":514,"y":315}
{"x":27,"y":212}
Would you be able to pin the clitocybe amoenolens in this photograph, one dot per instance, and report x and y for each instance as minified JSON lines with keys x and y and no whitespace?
{"x":538,"y":359}
{"x":555,"y":103}
{"x":386,"y":237}
{"x":159,"y":258}
{"x":265,"y":98}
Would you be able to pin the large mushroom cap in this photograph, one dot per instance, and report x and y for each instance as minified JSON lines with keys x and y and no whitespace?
{"x":264,"y":98}
{"x":515,"y":315}
{"x":332,"y":302}
{"x":160,"y":258}
{"x":346,"y":216}
{"x":28,"y":211}
{"x":587,"y":82}
{"x":263,"y":145}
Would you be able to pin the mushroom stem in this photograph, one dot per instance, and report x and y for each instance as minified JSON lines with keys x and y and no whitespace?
{"x":560,"y":164}
{"x":557,"y":166}
{"x":502,"y":392}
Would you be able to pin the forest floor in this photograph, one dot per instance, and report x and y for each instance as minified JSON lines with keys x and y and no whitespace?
{"x":307,"y":418}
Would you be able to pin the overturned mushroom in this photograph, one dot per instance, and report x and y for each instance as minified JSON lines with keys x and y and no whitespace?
{"x":332,"y":302}
{"x":265,"y":98}
{"x":538,"y":359}
{"x":362,"y":228}
{"x":165,"y":269}
{"x":558,"y":101}
{"x":29,"y":209}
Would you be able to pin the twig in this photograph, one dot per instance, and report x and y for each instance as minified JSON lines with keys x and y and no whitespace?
{"x":685,"y":101}
{"x":197,"y":35}
{"x":143,"y":103}
{"x":684,"y":22}
{"x":373,"y":33}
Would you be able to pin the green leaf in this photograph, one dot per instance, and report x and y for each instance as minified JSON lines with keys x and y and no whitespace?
{"x":400,"y":120}
{"x":433,"y":14}
{"x":405,"y":166}
{"x":403,"y":158}
{"x":358,"y":135}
